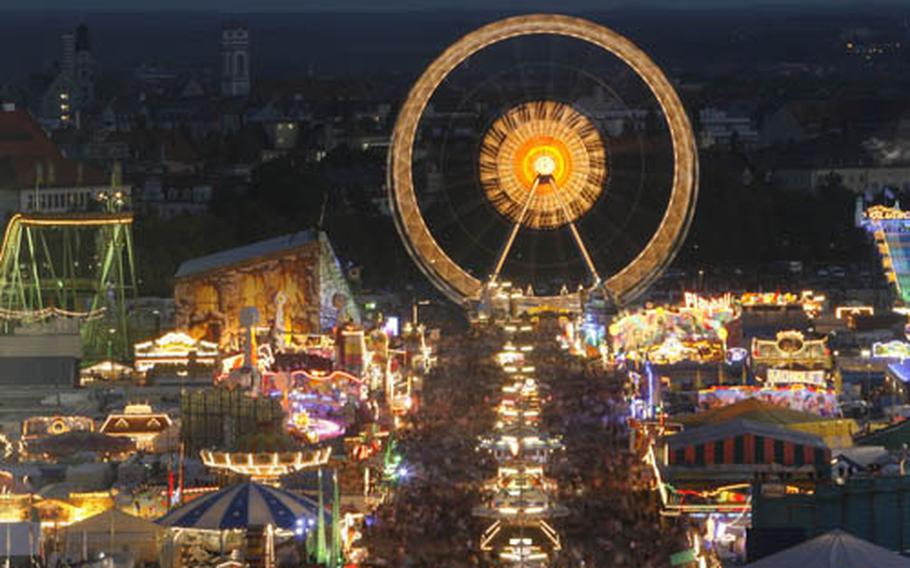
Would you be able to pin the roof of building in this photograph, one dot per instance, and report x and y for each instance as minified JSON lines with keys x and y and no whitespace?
{"x":893,"y":437}
{"x":123,"y":424}
{"x":863,"y":456}
{"x":247,"y":253}
{"x":738,"y":427}
{"x":835,"y":549}
{"x":114,"y":518}
{"x":750,"y":409}
{"x":26,"y":150}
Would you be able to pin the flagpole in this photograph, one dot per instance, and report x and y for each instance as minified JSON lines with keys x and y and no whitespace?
{"x":321,"y":555}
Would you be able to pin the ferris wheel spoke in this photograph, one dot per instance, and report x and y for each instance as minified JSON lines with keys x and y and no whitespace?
{"x":589,"y":261}
{"x":573,"y":92}
{"x":514,"y":232}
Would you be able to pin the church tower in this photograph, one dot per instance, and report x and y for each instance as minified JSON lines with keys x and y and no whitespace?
{"x":235,"y":61}
{"x":83,"y":64}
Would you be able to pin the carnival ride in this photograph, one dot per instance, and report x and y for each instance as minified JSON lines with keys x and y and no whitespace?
{"x":265,"y":466}
{"x":78,"y":265}
{"x":577,"y":199}
{"x":889,"y":227}
{"x":317,"y":403}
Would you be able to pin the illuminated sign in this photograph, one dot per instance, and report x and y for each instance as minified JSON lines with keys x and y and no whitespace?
{"x":790,"y":346}
{"x":842,"y":312}
{"x":883,"y":213}
{"x":891,"y":350}
{"x":778,"y":377}
{"x":691,"y":300}
{"x":769,"y":299}
{"x":736,"y":355}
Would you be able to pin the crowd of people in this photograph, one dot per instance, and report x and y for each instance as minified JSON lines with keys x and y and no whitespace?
{"x":427,"y":520}
{"x":615,"y":519}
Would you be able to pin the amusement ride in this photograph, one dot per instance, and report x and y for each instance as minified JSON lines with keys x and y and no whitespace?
{"x":565,"y":195}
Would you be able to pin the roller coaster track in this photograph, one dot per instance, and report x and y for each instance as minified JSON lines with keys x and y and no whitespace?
{"x":75,"y":264}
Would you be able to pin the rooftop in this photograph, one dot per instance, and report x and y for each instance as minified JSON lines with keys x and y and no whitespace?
{"x":27,"y":153}
{"x":737,"y":427}
{"x":246,"y":253}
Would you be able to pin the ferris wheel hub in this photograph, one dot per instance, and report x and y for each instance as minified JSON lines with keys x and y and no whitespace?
{"x":531,"y":150}
{"x":545,"y":165}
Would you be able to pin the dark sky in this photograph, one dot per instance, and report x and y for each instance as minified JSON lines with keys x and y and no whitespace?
{"x":396,"y":5}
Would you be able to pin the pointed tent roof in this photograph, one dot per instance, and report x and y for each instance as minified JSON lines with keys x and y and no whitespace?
{"x":835,"y":549}
{"x":750,"y":409}
{"x":240,"y":506}
{"x":122,"y":523}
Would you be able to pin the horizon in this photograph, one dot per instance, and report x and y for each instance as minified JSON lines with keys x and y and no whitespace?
{"x":424,"y":6}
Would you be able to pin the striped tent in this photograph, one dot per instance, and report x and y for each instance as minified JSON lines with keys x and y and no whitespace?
{"x":243,"y":505}
{"x":746,"y":443}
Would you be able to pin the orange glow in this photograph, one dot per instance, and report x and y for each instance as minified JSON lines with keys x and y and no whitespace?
{"x":533,"y":149}
{"x":550,"y":142}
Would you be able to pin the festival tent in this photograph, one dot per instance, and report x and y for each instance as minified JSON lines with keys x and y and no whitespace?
{"x":749,"y":409}
{"x":241,"y":506}
{"x":19,"y":542}
{"x":114,"y":531}
{"x":836,"y":432}
{"x":835,"y":549}
{"x":745,"y":442}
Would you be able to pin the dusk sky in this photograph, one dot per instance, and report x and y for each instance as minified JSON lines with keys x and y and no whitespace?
{"x":394,"y":5}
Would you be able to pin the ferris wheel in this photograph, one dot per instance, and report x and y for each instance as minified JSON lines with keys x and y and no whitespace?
{"x":547,"y":151}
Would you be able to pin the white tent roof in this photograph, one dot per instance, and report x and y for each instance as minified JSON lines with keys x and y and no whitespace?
{"x":835,"y":549}
{"x":117,"y":520}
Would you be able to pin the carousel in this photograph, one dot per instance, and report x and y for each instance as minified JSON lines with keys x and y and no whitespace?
{"x":248,"y":522}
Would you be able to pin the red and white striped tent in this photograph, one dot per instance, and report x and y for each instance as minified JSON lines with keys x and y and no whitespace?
{"x":745,"y":443}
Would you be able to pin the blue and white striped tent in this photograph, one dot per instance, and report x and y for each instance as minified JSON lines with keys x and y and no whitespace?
{"x":244,"y":505}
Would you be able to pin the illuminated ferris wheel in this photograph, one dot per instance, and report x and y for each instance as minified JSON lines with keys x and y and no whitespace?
{"x":547,"y":151}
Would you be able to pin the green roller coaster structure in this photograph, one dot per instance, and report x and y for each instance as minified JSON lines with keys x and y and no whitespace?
{"x":78,"y":265}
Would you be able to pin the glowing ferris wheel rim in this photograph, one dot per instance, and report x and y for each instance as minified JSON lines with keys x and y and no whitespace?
{"x":637,"y":275}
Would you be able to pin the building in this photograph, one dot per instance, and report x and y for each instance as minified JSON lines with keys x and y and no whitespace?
{"x":35,"y":177}
{"x":611,"y":114}
{"x":41,"y":426}
{"x":73,"y":88}
{"x":235,"y":61}
{"x":296,"y":275}
{"x":856,"y":178}
{"x":138,"y":423}
{"x":792,"y":358}
{"x":742,"y":451}
{"x":176,"y":350}
{"x":720,"y":128}
{"x":873,"y":508}
{"x":168,"y":196}
{"x":42,"y":354}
